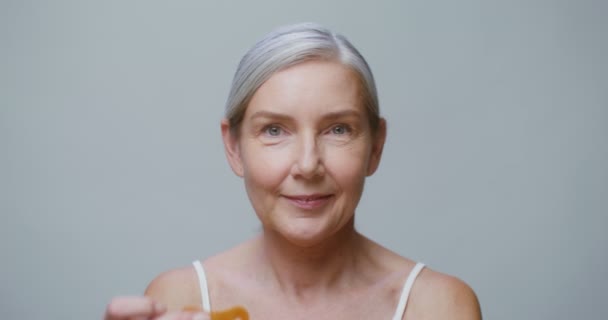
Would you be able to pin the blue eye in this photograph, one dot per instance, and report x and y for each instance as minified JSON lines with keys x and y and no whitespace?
{"x":340,"y":129}
{"x":273,"y":131}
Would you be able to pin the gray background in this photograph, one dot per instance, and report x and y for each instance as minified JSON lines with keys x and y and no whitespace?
{"x":495,"y":169}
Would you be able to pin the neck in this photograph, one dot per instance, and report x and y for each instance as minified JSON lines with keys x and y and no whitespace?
{"x":303,"y":271}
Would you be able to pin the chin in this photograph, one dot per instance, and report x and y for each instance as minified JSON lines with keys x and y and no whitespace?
{"x":304,"y":242}
{"x":307,"y":235}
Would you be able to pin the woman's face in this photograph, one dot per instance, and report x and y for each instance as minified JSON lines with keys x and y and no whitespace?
{"x":304,"y":149}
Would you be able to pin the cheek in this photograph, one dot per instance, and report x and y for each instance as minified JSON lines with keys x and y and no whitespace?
{"x":264,"y":168}
{"x":349,"y":167}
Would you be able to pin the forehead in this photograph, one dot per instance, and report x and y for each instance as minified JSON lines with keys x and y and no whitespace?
{"x":311,"y":86}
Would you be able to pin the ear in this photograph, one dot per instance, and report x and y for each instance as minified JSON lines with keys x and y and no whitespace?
{"x":231,"y":148}
{"x":377,"y":147}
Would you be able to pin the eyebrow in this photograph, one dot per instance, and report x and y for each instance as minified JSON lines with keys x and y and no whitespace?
{"x":270,"y":114}
{"x":342,"y":114}
{"x":329,"y":115}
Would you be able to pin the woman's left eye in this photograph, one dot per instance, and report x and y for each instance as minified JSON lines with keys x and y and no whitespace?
{"x":340,"y":129}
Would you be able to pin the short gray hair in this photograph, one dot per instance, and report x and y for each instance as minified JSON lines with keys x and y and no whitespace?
{"x":288,"y":46}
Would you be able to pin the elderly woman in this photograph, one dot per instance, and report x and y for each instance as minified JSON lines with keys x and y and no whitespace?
{"x":303,"y":130}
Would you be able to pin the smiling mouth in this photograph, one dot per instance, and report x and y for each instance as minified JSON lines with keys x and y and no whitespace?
{"x":306,"y":198}
{"x":309,"y":201}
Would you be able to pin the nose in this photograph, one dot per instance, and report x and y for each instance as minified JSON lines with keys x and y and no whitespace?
{"x":308,"y":162}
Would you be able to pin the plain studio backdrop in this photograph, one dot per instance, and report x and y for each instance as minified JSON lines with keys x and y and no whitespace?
{"x":495,"y":169}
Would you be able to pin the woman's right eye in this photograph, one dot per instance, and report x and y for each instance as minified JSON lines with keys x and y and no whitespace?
{"x":273,"y":130}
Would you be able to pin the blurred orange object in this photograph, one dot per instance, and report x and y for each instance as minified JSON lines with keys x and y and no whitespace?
{"x":192,"y":308}
{"x":235,"y":313}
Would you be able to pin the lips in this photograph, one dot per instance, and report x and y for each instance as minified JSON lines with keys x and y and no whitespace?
{"x":309,"y":202}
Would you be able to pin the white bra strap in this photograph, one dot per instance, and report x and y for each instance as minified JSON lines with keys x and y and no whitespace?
{"x":406,"y":291}
{"x":202,"y":280}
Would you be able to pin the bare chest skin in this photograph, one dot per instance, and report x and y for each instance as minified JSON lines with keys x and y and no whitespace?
{"x":355,"y":309}
{"x":374,"y":302}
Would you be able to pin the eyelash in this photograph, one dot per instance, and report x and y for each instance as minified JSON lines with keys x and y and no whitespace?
{"x":266,"y":129}
{"x":347,"y":129}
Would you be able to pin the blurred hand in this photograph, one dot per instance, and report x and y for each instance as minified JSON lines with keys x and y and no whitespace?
{"x":143,"y":308}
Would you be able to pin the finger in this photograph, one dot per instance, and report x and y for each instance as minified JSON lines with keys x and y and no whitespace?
{"x":126,"y":307}
{"x":184,"y":316}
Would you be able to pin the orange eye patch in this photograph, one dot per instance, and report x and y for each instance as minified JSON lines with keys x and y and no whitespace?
{"x":235,"y":313}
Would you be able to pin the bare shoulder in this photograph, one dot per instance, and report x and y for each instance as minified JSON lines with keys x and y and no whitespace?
{"x":440,"y":296}
{"x":175,"y":288}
